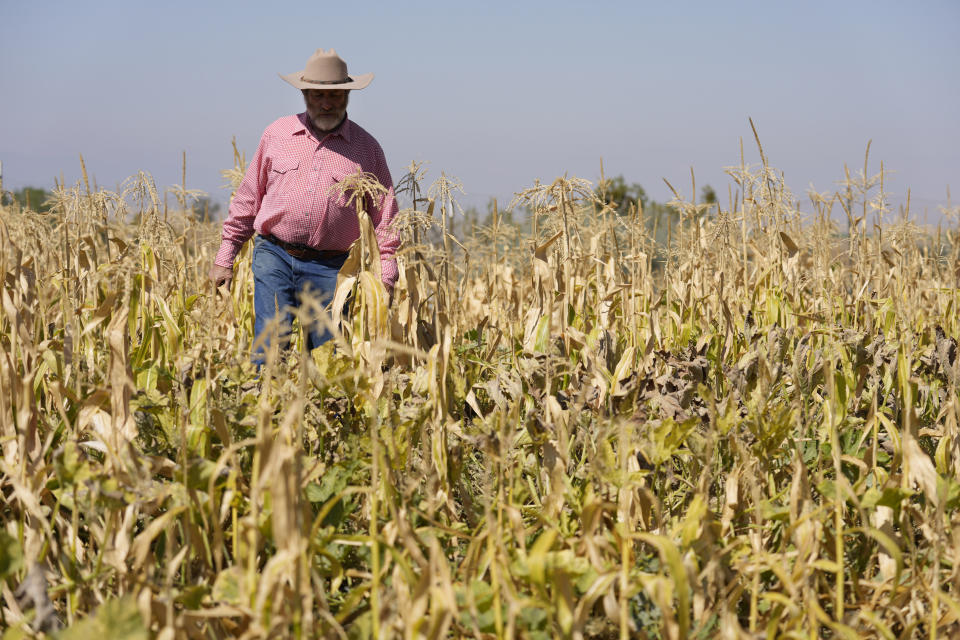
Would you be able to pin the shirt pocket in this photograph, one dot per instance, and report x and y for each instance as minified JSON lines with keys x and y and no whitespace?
{"x":283,"y":177}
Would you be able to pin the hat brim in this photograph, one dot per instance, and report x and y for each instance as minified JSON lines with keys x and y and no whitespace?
{"x":354,"y":83}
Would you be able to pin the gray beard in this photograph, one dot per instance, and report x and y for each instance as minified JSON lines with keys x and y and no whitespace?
{"x":316,"y":129}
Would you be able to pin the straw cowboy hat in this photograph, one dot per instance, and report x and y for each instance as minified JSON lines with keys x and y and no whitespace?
{"x":326,"y":70}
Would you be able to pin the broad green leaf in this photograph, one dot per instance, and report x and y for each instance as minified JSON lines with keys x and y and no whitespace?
{"x":117,"y":619}
{"x":541,"y":341}
{"x":192,"y":597}
{"x":197,"y":433}
{"x":888,"y":497}
{"x":624,"y":368}
{"x":670,"y":556}
{"x":11,"y":555}
{"x":231,"y":587}
{"x":669,"y":436}
{"x":18,"y":632}
{"x":888,"y":544}
{"x":690,"y":526}
{"x":537,"y":557}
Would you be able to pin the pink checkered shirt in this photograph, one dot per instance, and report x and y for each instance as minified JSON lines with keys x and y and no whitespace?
{"x":286,"y":192}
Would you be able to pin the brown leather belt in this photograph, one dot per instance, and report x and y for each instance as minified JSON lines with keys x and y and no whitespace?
{"x":303,"y":252}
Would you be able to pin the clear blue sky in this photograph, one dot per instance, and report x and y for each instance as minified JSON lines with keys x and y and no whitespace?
{"x":497,"y":94}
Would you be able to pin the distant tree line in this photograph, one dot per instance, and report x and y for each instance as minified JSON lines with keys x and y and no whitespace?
{"x":33,"y":198}
{"x":203,"y":209}
{"x":623,"y":197}
{"x":626,"y":197}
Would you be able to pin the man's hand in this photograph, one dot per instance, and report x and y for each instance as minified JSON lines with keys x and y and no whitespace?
{"x":221,"y":276}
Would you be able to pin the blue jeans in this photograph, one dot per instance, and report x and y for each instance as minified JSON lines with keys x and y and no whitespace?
{"x":279,"y":281}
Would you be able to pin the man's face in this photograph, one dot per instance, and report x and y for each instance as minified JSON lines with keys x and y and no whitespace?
{"x":326,"y":107}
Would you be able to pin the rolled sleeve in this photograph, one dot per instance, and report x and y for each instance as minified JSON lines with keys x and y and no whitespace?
{"x":238,"y":227}
{"x":388,"y":240}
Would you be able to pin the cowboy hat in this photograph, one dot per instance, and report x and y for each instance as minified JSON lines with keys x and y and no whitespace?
{"x":326,"y":70}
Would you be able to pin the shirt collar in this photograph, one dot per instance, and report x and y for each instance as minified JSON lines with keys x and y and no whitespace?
{"x":344,"y":130}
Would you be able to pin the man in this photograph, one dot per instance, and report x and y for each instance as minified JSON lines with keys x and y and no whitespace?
{"x":304,"y":226}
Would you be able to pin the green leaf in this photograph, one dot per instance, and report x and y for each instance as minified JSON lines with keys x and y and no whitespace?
{"x":772,"y":511}
{"x":192,"y":597}
{"x":338,"y":478}
{"x":677,"y":572}
{"x":117,"y":619}
{"x":482,"y":594}
{"x":889,"y":497}
{"x":624,"y":368}
{"x":533,"y":617}
{"x":199,"y":473}
{"x":197,"y":433}
{"x":537,"y":560}
{"x":669,"y":436}
{"x":690,"y":527}
{"x":885,"y":541}
{"x":16,"y":633}
{"x":231,"y":587}
{"x":542,"y":336}
{"x":11,"y":555}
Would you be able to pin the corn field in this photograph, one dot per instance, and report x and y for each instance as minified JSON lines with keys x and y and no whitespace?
{"x":561,"y":428}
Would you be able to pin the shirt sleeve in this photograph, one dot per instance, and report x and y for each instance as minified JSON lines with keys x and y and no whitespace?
{"x":384,"y":213}
{"x":238,"y":227}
